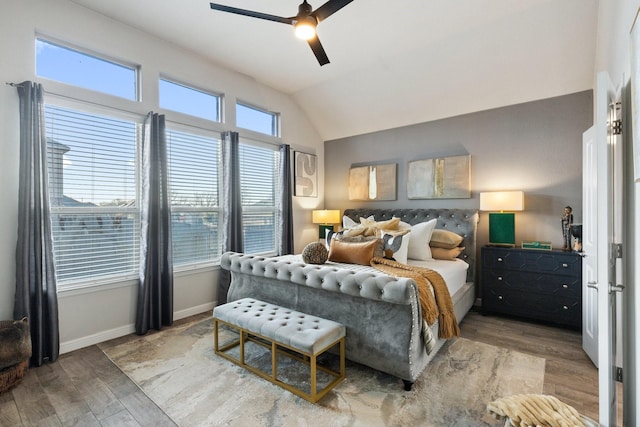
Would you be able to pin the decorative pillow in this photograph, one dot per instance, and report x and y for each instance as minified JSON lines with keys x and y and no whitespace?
{"x":352,"y":253}
{"x":348,"y":223}
{"x":445,"y":239}
{"x":315,"y":253}
{"x":396,"y":247}
{"x":379,"y":252}
{"x":448,"y":254}
{"x":419,"y":242}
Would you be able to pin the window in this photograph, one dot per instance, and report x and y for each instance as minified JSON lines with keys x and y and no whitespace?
{"x":93,"y":192}
{"x":73,"y":67}
{"x":187,"y":100}
{"x":258,"y":183}
{"x":195,"y":214}
{"x":257,"y":120}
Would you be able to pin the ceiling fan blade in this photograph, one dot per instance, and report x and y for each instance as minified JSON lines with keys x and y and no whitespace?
{"x":318,"y":50}
{"x":329,"y":8}
{"x":251,"y":13}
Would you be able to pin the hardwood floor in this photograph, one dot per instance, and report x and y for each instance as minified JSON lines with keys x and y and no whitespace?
{"x":84,"y":388}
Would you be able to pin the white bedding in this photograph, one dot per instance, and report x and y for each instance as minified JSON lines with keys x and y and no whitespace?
{"x":453,"y":272}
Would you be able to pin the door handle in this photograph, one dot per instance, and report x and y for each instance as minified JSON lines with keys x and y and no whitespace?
{"x":592,"y":285}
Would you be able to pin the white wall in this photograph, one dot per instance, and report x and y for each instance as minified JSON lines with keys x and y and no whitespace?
{"x":613,"y":55}
{"x":92,"y":315}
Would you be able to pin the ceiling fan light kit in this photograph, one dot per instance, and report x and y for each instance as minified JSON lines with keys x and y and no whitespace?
{"x":306,"y":28}
{"x":304,"y":22}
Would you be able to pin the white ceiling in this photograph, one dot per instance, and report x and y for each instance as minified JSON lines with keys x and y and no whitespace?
{"x":392,"y":63}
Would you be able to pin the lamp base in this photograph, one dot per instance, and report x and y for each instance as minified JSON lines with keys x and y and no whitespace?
{"x":502,"y":229}
{"x":322,"y":230}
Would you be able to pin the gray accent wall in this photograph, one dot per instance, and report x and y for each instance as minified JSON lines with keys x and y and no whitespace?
{"x":535,"y":147}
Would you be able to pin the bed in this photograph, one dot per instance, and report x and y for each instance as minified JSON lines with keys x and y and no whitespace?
{"x":382,"y":314}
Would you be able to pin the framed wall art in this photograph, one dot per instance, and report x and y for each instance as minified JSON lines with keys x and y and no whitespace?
{"x":305,"y":175}
{"x":372,"y":182}
{"x":439,"y":178}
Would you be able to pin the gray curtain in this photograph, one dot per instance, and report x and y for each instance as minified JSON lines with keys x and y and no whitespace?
{"x":35,"y":275}
{"x":285,"y":220}
{"x":232,"y":206}
{"x":155,"y":287}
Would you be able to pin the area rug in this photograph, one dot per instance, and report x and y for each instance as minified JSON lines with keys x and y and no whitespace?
{"x":179,"y":371}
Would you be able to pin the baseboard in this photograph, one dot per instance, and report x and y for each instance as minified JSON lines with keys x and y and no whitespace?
{"x":191,"y":311}
{"x":78,"y":343}
{"x":68,"y":346}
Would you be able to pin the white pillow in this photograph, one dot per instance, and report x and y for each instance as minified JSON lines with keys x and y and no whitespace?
{"x":348,"y":223}
{"x":419,"y":243}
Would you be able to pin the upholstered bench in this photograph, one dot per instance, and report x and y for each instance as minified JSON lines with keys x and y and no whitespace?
{"x":287,"y":332}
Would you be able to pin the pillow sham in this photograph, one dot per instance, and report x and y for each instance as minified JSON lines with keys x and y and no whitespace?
{"x":352,"y":252}
{"x":447,"y":254}
{"x":419,"y":242}
{"x":445,"y":239}
{"x":379,"y":251}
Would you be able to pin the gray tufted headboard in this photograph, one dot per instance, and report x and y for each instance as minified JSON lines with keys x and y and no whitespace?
{"x":461,"y":221}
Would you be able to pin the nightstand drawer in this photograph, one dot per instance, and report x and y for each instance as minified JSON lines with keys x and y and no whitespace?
{"x":549,"y":308}
{"x":565,"y":286}
{"x":532,"y":260}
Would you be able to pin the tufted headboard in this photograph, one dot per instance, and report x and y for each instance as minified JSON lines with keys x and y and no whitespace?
{"x":461,"y":221}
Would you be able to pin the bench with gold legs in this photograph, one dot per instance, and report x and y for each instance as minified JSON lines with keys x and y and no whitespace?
{"x":297,"y":335}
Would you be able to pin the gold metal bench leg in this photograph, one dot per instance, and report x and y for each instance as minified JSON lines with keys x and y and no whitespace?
{"x":274,"y":360}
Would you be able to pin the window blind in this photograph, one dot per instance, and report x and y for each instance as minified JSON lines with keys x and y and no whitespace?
{"x":258,"y":181}
{"x":93,"y":192}
{"x":193,"y":178}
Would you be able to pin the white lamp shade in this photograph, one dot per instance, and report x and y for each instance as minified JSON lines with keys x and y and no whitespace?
{"x":502,"y":201}
{"x":325,"y":216}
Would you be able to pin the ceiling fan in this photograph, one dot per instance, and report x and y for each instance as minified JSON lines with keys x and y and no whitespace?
{"x":305,"y":21}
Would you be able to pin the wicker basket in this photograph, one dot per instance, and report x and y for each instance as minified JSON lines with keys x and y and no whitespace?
{"x":11,"y":376}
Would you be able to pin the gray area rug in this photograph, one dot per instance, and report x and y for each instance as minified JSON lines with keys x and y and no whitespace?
{"x":179,"y":371}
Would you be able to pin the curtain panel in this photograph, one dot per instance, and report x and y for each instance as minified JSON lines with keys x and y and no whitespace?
{"x":231,"y":206}
{"x":155,"y":287}
{"x":285,"y":208}
{"x":35,"y":296}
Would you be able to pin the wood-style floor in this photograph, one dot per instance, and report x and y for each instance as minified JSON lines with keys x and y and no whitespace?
{"x":84,"y":388}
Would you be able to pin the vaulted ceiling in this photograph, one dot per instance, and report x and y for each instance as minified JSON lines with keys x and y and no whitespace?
{"x":392,"y":63}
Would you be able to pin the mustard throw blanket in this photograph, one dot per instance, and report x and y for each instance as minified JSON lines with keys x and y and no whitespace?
{"x":436,"y":305}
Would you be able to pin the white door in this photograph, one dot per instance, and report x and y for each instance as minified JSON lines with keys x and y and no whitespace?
{"x":599,"y":266}
{"x":589,"y":245}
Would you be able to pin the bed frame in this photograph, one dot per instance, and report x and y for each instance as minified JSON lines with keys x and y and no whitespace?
{"x":382,"y":314}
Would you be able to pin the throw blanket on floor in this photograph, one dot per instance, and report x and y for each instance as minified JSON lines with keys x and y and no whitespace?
{"x":435,"y":305}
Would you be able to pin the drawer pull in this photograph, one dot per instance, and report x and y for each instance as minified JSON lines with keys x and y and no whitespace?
{"x":565,"y":265}
{"x":565,"y":286}
{"x":500,"y":278}
{"x":564,"y":307}
{"x":499,"y":297}
{"x":499,"y":259}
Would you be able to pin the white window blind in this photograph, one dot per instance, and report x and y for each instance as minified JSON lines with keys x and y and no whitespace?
{"x":195,"y":214}
{"x":93,"y":192}
{"x":258,"y":178}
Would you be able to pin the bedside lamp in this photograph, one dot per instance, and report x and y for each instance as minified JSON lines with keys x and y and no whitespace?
{"x":326,"y":219}
{"x":502,"y":225}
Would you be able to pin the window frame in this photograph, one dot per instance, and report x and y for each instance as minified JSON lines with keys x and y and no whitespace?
{"x":181,"y":117}
{"x":274,"y":210}
{"x":180,"y":127}
{"x":277,"y":117}
{"x":70,"y":87}
{"x":101,"y":110}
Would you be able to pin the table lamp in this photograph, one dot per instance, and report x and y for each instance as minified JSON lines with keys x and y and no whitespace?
{"x":502,"y":225}
{"x":326,"y":219}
